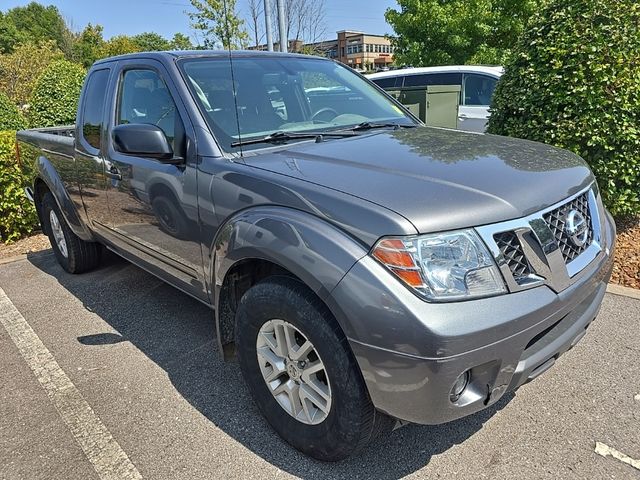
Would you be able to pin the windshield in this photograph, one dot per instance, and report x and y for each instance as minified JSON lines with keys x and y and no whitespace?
{"x":283,"y":94}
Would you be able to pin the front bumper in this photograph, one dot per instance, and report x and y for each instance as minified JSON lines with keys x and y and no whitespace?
{"x":411,"y":352}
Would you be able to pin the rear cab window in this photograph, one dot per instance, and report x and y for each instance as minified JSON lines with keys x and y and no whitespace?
{"x":93,"y":109}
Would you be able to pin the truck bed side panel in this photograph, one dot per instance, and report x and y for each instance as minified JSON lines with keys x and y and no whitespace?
{"x":49,"y":153}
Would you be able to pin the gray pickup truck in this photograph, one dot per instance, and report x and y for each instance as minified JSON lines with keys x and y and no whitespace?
{"x":365,"y":270}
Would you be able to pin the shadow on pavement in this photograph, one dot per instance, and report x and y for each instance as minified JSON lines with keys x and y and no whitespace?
{"x":177,"y":333}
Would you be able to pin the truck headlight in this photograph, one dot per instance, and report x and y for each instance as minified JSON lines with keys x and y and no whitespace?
{"x":443,"y":266}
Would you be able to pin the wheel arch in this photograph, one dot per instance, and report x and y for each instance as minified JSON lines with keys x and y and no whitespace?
{"x":266,"y":241}
{"x":48,"y":180}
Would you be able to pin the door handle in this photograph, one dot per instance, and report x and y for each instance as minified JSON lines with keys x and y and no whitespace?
{"x":463,"y":115}
{"x":113,"y":173}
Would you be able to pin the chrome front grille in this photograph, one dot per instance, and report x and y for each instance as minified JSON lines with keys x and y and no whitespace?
{"x":556,"y":220}
{"x":550,"y":247}
{"x":513,"y":253}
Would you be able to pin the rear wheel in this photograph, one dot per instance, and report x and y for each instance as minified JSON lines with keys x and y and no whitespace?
{"x":301,"y":372}
{"x":74,"y":254}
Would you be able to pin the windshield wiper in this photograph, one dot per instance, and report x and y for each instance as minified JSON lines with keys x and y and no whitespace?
{"x":281,"y":136}
{"x":371,"y":125}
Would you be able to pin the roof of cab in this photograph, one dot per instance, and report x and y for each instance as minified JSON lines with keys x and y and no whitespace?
{"x":201,"y":53}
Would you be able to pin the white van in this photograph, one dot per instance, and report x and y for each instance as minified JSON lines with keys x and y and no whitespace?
{"x":477,"y":84}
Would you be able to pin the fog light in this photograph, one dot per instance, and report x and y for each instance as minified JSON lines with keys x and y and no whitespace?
{"x":458,"y":387}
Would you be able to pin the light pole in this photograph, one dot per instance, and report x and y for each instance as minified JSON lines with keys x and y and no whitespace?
{"x":282,"y":27}
{"x":267,"y":24}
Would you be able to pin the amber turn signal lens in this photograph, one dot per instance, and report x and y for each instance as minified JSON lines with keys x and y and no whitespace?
{"x":410,"y":277}
{"x":394,"y":258}
{"x":392,"y":253}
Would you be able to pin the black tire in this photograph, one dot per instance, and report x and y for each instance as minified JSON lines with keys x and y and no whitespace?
{"x":352,"y":420}
{"x":81,"y":255}
{"x":171,"y":218}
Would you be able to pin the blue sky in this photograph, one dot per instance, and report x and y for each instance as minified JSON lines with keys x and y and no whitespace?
{"x":167,"y":17}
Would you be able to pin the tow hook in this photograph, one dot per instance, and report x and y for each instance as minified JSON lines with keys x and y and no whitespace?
{"x":495,"y":393}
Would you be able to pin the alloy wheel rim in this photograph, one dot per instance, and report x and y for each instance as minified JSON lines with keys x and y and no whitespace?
{"x":58,"y":234}
{"x":294,"y":372}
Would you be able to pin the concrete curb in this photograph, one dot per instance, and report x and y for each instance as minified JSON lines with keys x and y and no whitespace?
{"x":623,"y":291}
{"x":24,"y":256}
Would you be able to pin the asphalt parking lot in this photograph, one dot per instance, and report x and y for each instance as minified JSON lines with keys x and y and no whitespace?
{"x":135,"y":368}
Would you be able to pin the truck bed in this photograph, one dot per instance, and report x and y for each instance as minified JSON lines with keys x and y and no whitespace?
{"x":59,"y":140}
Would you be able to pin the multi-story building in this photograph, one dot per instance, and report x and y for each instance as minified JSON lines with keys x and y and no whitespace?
{"x":355,"y":49}
{"x":362,"y":50}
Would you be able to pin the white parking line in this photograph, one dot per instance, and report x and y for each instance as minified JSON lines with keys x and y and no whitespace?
{"x":606,"y":451}
{"x":97,"y":443}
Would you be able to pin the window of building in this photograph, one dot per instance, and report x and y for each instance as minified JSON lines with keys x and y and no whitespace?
{"x":93,"y":112}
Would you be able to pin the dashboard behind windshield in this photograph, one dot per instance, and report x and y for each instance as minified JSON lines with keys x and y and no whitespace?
{"x":291,"y":94}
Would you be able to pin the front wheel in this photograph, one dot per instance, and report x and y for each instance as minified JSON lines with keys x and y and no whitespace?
{"x":170,"y":217}
{"x":301,"y":373}
{"x":73,"y":254}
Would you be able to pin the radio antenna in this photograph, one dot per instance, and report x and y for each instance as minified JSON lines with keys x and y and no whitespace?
{"x":233,"y":80}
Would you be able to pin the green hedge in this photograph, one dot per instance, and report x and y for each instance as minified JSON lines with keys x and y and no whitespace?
{"x":17,"y":215}
{"x":55,"y":96}
{"x":574,"y":82}
{"x":10,"y":116}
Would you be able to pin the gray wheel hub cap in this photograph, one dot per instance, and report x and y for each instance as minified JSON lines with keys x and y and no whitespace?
{"x":58,"y":234}
{"x":294,"y":372}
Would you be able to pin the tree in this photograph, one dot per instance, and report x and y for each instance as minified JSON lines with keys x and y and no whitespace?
{"x":9,"y":35}
{"x":304,"y":20}
{"x":219,"y":22}
{"x":574,"y":82}
{"x":119,"y":45}
{"x":256,"y":10}
{"x":20,"y":70}
{"x":151,"y":42}
{"x":89,"y":46}
{"x":34,"y":23}
{"x":445,"y":32}
{"x":55,"y":96}
{"x":181,"y":42}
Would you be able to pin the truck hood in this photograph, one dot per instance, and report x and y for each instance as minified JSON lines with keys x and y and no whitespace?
{"x":437,"y":179}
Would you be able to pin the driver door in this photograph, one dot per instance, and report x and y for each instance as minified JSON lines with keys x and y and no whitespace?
{"x":152,"y":204}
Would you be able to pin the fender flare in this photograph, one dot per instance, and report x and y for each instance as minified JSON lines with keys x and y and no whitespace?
{"x":46,"y":172}
{"x":312,"y":249}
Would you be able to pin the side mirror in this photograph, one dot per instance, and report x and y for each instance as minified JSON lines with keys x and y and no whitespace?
{"x":142,"y":140}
